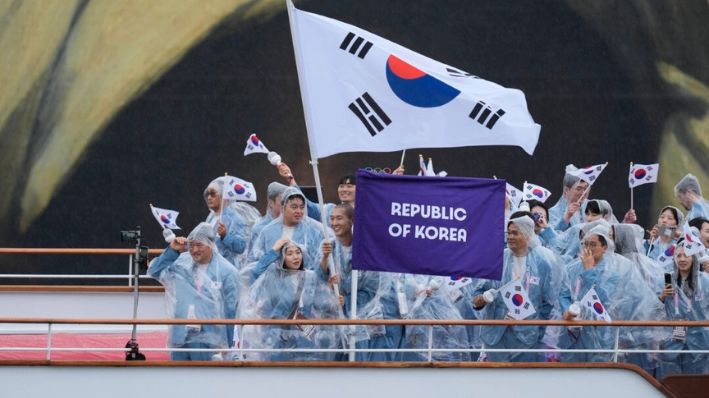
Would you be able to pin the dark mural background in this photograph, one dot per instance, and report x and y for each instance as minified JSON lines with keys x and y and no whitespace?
{"x":608,"y":81}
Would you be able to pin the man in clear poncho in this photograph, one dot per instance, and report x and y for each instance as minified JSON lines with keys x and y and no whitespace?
{"x":568,"y":210}
{"x":529,"y":263}
{"x":621,"y":293}
{"x":293,"y":224}
{"x":229,"y":226}
{"x":686,"y":298}
{"x":287,"y":290}
{"x":628,"y":240}
{"x":199,"y":284}
{"x":689,"y":194}
{"x":273,"y":211}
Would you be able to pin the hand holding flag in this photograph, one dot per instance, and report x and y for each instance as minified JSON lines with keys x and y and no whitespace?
{"x":254,"y":145}
{"x":166,"y":218}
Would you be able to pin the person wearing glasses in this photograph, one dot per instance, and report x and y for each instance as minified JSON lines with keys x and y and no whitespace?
{"x":620,"y":294}
{"x":228,"y":225}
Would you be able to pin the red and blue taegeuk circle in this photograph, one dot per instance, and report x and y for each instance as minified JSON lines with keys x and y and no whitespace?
{"x":416,"y":87}
{"x":517,"y":299}
{"x":239,"y":189}
{"x":640,"y":173}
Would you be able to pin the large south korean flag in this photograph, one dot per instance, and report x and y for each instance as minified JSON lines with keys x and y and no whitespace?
{"x":362,"y":92}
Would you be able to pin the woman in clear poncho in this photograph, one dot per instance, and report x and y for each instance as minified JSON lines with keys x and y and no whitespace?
{"x":529,"y":263}
{"x":199,"y":284}
{"x":621,"y":293}
{"x":663,"y":235}
{"x":628,"y":243}
{"x":287,"y":290}
{"x":687,"y":298}
{"x":426,"y":300}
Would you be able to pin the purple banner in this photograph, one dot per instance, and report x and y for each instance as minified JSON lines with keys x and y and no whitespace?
{"x":450,"y":226}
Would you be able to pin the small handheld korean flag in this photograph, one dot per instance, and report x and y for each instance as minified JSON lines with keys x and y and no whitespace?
{"x":166,"y":218}
{"x":643,"y":174}
{"x":666,"y":258}
{"x":237,"y":189}
{"x":517,"y":300}
{"x":692,"y":243}
{"x":514,"y":194}
{"x":454,"y":285}
{"x":591,"y":301}
{"x":533,"y":191}
{"x":254,"y":145}
{"x":589,"y":174}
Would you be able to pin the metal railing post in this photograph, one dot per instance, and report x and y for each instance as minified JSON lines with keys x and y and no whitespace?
{"x":49,"y":341}
{"x":130,"y":269}
{"x":430,"y":343}
{"x":617,"y":340}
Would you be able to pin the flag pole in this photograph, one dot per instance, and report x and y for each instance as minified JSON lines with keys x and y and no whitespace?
{"x":631,"y":187}
{"x":403,"y":153}
{"x":311,"y":144}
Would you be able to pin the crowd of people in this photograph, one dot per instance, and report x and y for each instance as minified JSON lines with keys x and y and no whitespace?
{"x":574,"y":261}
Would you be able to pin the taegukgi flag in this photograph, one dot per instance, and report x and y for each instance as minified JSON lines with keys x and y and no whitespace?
{"x":589,"y":174}
{"x":534,"y":191}
{"x":692,"y":242}
{"x":514,"y":194}
{"x":362,"y":92}
{"x":517,"y":300}
{"x":166,"y":218}
{"x":643,"y":174}
{"x":237,"y":189}
{"x":593,"y":303}
{"x":429,"y":225}
{"x":254,"y":145}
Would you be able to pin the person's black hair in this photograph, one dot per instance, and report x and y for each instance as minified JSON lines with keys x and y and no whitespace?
{"x":673,"y":211}
{"x":535,"y":203}
{"x":349,"y":210}
{"x":593,"y":207}
{"x":348,"y":179}
{"x":690,"y":278}
{"x":698,"y":222}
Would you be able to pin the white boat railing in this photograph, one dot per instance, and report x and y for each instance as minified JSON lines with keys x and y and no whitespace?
{"x":429,"y":350}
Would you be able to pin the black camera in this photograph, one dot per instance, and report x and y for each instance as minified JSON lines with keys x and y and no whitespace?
{"x":130,"y":236}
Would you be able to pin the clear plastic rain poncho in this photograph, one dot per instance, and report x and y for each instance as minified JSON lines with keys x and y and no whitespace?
{"x":236,"y":238}
{"x":436,"y":307}
{"x":621,"y":294}
{"x":556,"y":212}
{"x":628,"y":243}
{"x":307,"y":234}
{"x":281,"y":293}
{"x":568,"y":243}
{"x":196,"y":291}
{"x":700,"y":209}
{"x":689,"y":302}
{"x":657,"y":246}
{"x":535,"y":273}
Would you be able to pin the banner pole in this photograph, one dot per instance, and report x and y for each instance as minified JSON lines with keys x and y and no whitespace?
{"x":631,"y":188}
{"x":403,"y":153}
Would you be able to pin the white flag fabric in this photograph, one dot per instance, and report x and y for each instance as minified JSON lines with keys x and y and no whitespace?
{"x":423,"y":169}
{"x":362,"y":92}
{"x":166,"y":218}
{"x":517,"y":301}
{"x":667,"y":257}
{"x":591,"y":301}
{"x":254,"y":145}
{"x":514,"y":194}
{"x":643,"y":174}
{"x":237,"y":189}
{"x":692,"y":242}
{"x":532,"y":191}
{"x":589,"y":174}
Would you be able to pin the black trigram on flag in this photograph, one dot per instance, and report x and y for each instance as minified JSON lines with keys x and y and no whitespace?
{"x":355,"y":47}
{"x":484,"y":117}
{"x":370,"y":114}
{"x":459,"y":73}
